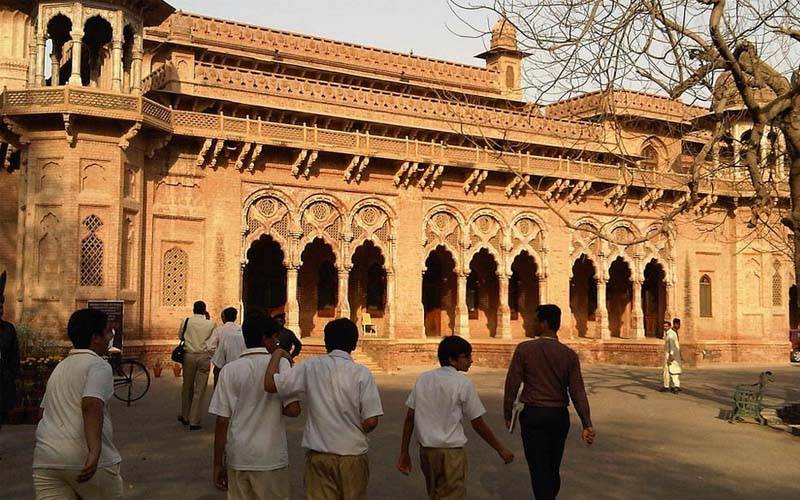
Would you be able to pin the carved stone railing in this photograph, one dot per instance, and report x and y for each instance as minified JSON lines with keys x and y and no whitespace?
{"x":219,"y":81}
{"x":95,"y":102}
{"x":624,"y":102}
{"x":158,"y":78}
{"x":341,"y":55}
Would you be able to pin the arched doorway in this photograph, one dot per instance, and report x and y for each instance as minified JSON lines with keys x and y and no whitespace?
{"x":654,"y":299}
{"x":59,"y":30}
{"x":367,"y":287}
{"x":96,"y":53}
{"x":619,"y":292}
{"x":523,"y":294}
{"x":483,"y":293}
{"x":264,"y":279}
{"x":317,"y":286}
{"x":439,"y":286}
{"x":583,"y":295}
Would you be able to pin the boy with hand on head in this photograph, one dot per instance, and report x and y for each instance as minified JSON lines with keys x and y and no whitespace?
{"x":251,"y":457}
{"x":441,"y":398}
{"x":343,"y":406}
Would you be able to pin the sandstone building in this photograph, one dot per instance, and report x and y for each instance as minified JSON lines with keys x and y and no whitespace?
{"x":159,"y":157}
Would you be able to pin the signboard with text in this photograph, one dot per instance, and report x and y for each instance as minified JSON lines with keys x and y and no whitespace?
{"x":115,"y":309}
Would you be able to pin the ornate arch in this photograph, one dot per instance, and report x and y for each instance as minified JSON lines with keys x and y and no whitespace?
{"x":268,"y":212}
{"x":444,"y":225}
{"x":371,"y":220}
{"x":321,"y":217}
{"x":660,"y":150}
{"x":583,"y":242}
{"x":487,"y":229}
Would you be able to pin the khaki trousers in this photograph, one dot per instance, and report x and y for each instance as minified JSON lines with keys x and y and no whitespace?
{"x":258,"y":485}
{"x":445,"y":471}
{"x":195,"y":381}
{"x":671,"y":379}
{"x":60,"y":484}
{"x":336,"y":477}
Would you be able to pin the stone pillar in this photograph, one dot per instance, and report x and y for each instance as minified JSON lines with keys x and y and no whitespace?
{"x":637,"y":316}
{"x":344,"y":299}
{"x":116,"y":65}
{"x":55,"y":68}
{"x":669,"y":305}
{"x":136,"y":71}
{"x":503,"y":310}
{"x":292,"y":308}
{"x":542,"y":288}
{"x":39,"y":75}
{"x":601,"y":315}
{"x":462,"y":313}
{"x":77,"y":44}
{"x":390,"y":303}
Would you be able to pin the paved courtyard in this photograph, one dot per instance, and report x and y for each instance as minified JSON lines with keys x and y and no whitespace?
{"x":649,"y":444}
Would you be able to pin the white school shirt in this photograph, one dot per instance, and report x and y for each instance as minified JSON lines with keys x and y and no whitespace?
{"x":440,"y":399}
{"x":256,"y":432}
{"x":339,"y":394}
{"x":60,"y":439}
{"x":230,"y":345}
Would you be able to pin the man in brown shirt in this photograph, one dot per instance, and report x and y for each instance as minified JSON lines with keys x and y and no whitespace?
{"x":549,"y":370}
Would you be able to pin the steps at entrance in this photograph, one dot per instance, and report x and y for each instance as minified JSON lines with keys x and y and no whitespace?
{"x":363,"y":358}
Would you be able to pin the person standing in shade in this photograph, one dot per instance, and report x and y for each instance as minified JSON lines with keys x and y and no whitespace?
{"x":196,"y":331}
{"x":251,"y":458}
{"x":289,"y":341}
{"x":551,"y":373}
{"x":343,"y":406}
{"x":9,"y":359}
{"x":229,"y":342}
{"x":672,"y":357}
{"x":74,"y":454}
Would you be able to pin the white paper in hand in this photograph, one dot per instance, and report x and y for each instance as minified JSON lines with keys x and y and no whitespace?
{"x":516,"y":410}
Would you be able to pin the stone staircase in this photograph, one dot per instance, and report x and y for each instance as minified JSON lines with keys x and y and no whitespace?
{"x":363,"y":358}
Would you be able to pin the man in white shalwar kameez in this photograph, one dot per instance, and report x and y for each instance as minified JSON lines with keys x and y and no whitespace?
{"x":672,"y":357}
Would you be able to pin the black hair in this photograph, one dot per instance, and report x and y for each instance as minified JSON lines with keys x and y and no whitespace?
{"x":451,"y":348}
{"x":85,"y":324}
{"x":229,"y":314}
{"x":341,"y":334}
{"x":257,"y":326}
{"x":676,"y":321}
{"x":279,"y":315}
{"x":551,"y":314}
{"x":199,"y":307}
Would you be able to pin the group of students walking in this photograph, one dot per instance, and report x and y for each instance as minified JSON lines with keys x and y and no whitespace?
{"x":260,"y":386}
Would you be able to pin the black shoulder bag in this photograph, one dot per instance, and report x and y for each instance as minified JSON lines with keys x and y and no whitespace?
{"x":180,"y":350}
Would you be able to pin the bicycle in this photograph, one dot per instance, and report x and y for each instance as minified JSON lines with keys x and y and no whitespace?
{"x":131,"y":378}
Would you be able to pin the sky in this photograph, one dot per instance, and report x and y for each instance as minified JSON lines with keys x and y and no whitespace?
{"x":426,"y":27}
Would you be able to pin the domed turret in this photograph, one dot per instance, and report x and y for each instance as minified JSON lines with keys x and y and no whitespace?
{"x":505,"y":58}
{"x":504,"y":35}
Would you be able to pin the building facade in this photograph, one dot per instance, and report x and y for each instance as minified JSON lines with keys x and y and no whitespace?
{"x":158,"y":157}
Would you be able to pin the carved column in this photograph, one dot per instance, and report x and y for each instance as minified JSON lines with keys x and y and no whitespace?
{"x":389,"y":305}
{"x":116,"y":65}
{"x":77,"y":45}
{"x":39,"y":77}
{"x":669,"y":306}
{"x":55,"y":68}
{"x":344,"y":299}
{"x":503,"y":311}
{"x":462,"y":313}
{"x":601,"y":314}
{"x":542,"y":279}
{"x":637,"y":316}
{"x":136,"y":70}
{"x":292,"y":308}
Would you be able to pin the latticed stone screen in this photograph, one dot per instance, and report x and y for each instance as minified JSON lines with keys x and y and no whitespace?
{"x":777,"y":289}
{"x":91,"y":265}
{"x":173,"y":285}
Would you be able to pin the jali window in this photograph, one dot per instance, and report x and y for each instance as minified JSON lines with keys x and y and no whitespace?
{"x":173,"y":284}
{"x":91,"y":264}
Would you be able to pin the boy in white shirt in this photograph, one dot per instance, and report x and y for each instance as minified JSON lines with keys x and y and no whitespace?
{"x":436,"y":406}
{"x":343,"y":406}
{"x":251,"y":458}
{"x":74,"y":454}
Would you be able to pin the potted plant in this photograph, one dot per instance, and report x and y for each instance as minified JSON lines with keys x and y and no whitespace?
{"x":157,"y":367}
{"x":176,"y":369}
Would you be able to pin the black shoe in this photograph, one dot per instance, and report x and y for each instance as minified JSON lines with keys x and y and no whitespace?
{"x":675,"y":390}
{"x":183,"y":420}
{"x":664,"y":389}
{"x":194,"y":427}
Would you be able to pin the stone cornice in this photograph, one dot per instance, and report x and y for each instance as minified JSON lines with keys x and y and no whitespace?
{"x":625,"y":103}
{"x":339,"y":56}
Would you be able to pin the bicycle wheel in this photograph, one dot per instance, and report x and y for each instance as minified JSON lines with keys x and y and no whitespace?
{"x":132,"y":381}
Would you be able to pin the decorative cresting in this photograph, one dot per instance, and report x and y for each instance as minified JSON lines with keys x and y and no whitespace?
{"x":443,"y":228}
{"x":91,"y":263}
{"x":322,"y":218}
{"x":174,"y":280}
{"x":370,"y":221}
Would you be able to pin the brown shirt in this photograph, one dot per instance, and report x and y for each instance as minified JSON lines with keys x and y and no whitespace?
{"x":549,"y":370}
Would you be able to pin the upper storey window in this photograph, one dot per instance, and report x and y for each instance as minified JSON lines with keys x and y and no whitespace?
{"x":650,"y":158}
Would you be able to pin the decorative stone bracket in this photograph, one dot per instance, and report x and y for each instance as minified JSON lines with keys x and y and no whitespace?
{"x":475,"y":181}
{"x":355,"y":169}
{"x":517,"y":186}
{"x":303,"y":163}
{"x":429,"y":177}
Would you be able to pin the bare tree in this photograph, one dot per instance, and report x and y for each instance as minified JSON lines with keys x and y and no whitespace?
{"x":737,"y":59}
